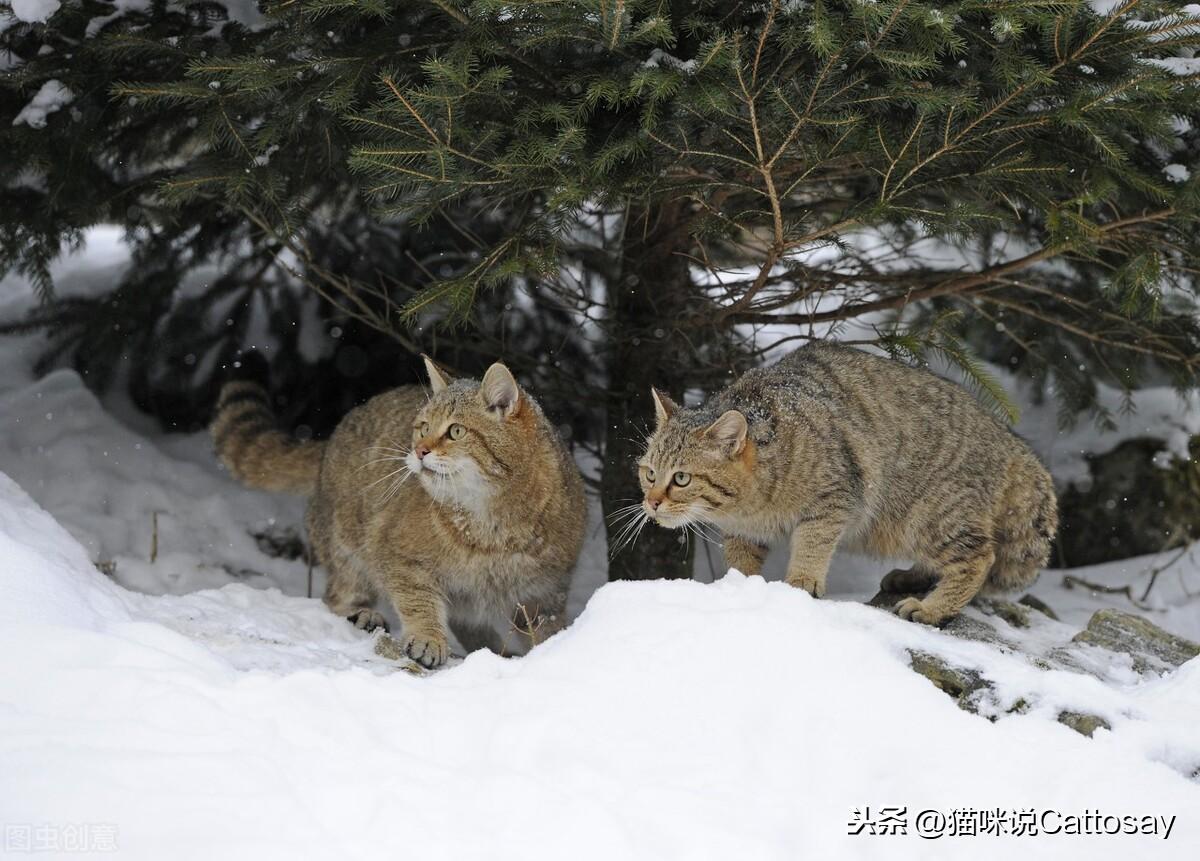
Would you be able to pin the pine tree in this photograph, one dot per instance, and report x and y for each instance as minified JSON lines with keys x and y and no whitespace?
{"x":188,"y":173}
{"x":672,"y":188}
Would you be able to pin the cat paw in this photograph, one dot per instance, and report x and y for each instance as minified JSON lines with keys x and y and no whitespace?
{"x":367,"y":620}
{"x":915,"y":610}
{"x":428,"y":651}
{"x":811,"y":585}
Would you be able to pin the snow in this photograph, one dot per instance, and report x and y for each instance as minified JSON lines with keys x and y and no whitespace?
{"x":1178,"y":65}
{"x":32,"y":541}
{"x":673,"y":719}
{"x":34,"y":11}
{"x":197,"y":704}
{"x":120,"y":9}
{"x":52,"y":96}
{"x":246,"y":13}
{"x":1177,"y":172}
{"x":1158,"y":411}
{"x":660,"y":58}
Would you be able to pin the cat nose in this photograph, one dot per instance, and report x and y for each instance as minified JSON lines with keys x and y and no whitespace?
{"x":654,"y":503}
{"x":421,"y":452}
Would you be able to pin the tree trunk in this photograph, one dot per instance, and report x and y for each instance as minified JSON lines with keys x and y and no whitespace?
{"x":652,"y":292}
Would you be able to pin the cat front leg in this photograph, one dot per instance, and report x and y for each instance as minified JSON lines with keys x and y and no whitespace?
{"x":422,"y":610}
{"x":813,"y":541}
{"x":745,"y":555}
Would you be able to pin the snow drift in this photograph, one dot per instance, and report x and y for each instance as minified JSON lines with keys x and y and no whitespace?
{"x":673,"y":720}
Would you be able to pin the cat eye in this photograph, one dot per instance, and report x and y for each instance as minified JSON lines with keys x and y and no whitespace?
{"x":683,"y":479}
{"x":457,"y":431}
{"x":424,"y":428}
{"x":649,"y":475}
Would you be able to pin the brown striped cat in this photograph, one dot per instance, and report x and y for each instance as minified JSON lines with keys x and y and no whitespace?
{"x":460,"y":504}
{"x":833,"y":446}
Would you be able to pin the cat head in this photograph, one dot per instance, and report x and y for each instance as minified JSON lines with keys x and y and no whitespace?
{"x":696,"y":465}
{"x":470,"y":435}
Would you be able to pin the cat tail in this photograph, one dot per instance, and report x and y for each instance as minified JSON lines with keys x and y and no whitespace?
{"x":247,"y":438}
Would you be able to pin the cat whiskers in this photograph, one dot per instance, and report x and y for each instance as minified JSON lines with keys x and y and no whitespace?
{"x":396,"y":455}
{"x":625,"y":515}
{"x":624,"y":512}
{"x":704,"y":528}
{"x":635,"y":518}
{"x":393,"y":453}
{"x":700,"y":530}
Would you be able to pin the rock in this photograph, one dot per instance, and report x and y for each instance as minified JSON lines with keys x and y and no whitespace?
{"x":888,"y":600}
{"x":1039,"y":605}
{"x":959,"y":682}
{"x":1150,"y":646}
{"x":1014,"y":614}
{"x":963,"y":626}
{"x":968,"y":627}
{"x":1084,"y":724}
{"x":1098,"y":651}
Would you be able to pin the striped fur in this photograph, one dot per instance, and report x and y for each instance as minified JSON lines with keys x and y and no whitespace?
{"x":833,"y":446}
{"x":248,"y":441}
{"x":459,"y":504}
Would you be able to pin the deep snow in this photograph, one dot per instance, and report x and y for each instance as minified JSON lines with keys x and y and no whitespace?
{"x":672,"y":720}
{"x":197,"y":706}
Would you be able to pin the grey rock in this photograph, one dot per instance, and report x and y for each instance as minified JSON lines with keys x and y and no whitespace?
{"x":963,"y":684}
{"x":968,"y":627}
{"x":1150,"y":647}
{"x":888,"y":600}
{"x":1084,"y":724}
{"x":964,"y":626}
{"x":1014,"y":614}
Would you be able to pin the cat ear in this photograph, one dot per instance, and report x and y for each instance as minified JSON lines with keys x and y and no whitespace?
{"x":664,"y":407}
{"x":729,"y":431}
{"x":499,"y":390}
{"x":437,"y":381}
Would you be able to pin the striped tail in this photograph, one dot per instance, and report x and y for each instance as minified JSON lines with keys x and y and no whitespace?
{"x":249,"y":443}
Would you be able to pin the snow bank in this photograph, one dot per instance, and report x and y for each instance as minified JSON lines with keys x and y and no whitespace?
{"x":116,"y":491}
{"x":45,"y":576}
{"x":674,"y":719}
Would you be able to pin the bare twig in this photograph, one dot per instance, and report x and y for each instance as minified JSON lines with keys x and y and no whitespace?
{"x":1070,"y":581}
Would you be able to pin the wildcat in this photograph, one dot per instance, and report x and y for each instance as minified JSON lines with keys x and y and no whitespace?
{"x":837,"y":446}
{"x":461,"y":505}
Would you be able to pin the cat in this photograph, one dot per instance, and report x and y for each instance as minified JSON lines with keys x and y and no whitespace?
{"x":836,"y":446}
{"x":460,"y":504}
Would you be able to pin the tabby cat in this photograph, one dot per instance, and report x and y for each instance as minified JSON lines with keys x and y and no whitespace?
{"x":833,"y":446}
{"x":461,"y":505}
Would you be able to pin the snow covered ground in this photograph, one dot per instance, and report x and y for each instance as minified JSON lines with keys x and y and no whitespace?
{"x":195,"y":704}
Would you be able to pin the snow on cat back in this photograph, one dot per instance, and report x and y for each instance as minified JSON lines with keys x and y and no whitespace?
{"x":46,"y":577}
